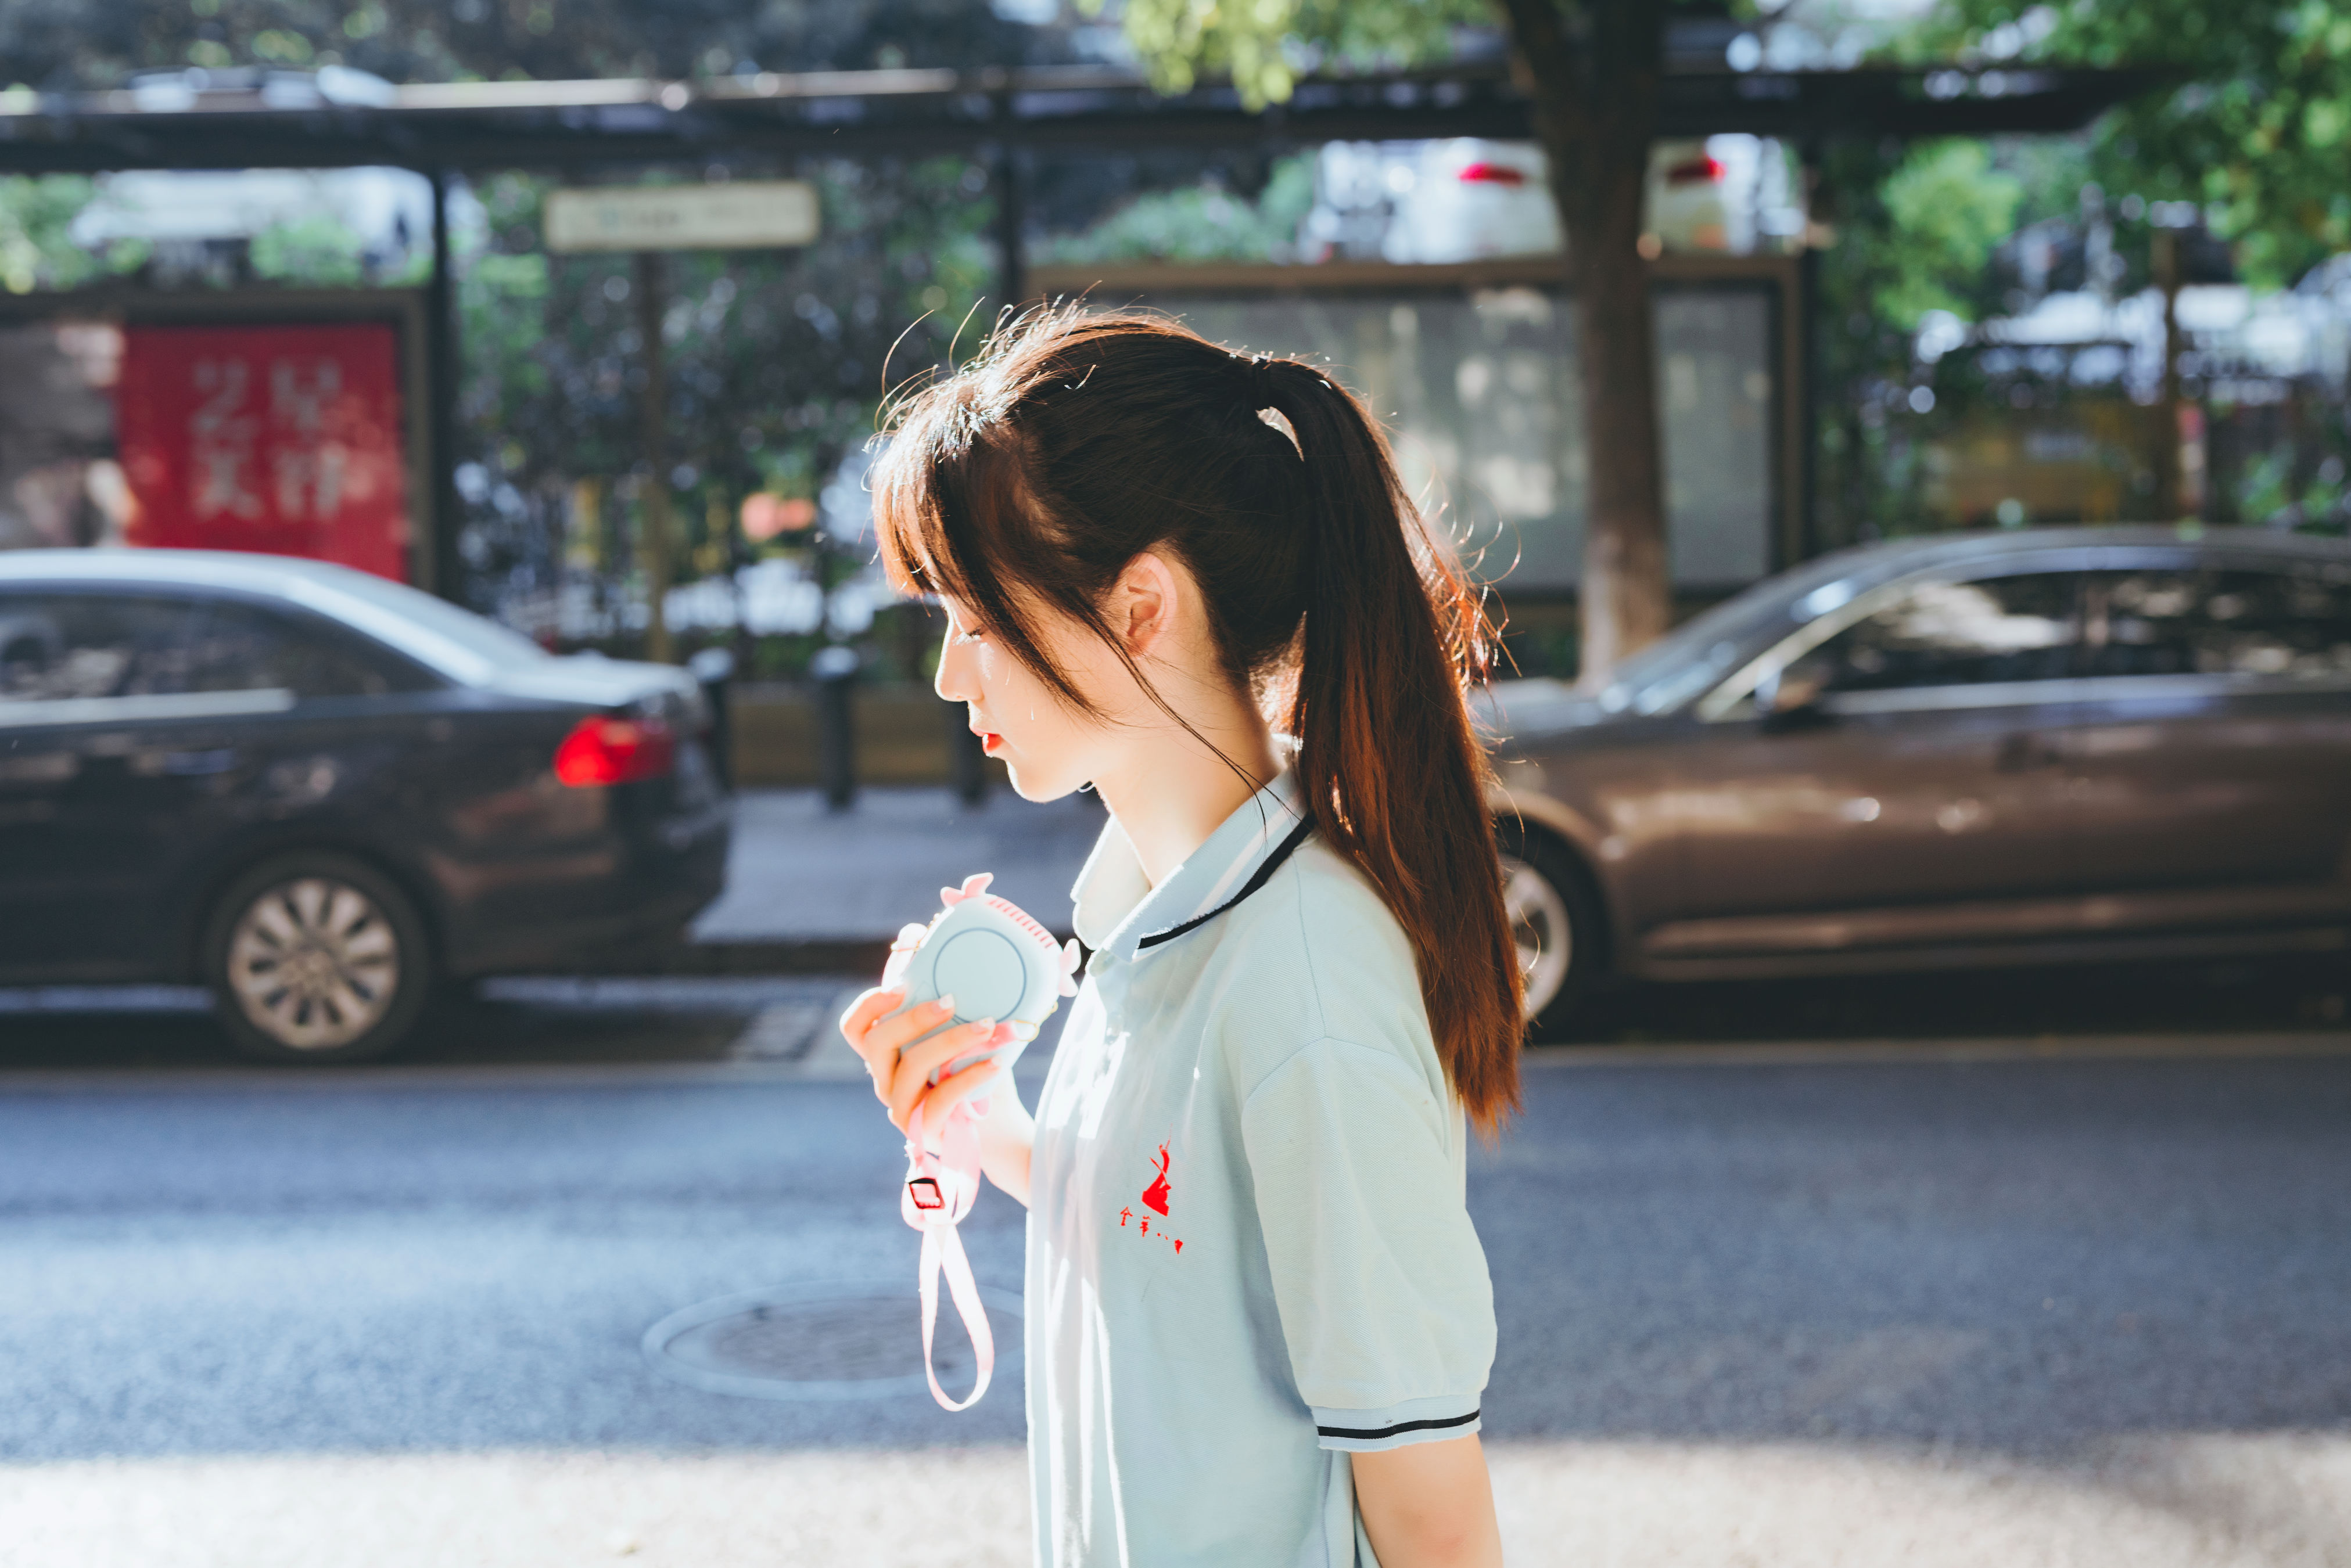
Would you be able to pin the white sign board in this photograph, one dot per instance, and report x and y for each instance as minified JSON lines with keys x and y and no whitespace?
{"x":748,"y":215}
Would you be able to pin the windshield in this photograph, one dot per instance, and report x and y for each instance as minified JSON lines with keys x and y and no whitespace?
{"x":1666,"y":663}
{"x":1693,"y":655}
{"x":483,"y":639}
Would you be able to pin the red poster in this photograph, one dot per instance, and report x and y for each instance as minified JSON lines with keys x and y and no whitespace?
{"x":285,"y":440}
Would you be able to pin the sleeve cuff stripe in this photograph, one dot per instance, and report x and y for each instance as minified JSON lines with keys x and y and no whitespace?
{"x":1372,"y":1434}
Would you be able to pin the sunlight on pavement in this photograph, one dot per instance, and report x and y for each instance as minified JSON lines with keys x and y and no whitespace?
{"x":2233,"y":1501}
{"x":2227,"y":1501}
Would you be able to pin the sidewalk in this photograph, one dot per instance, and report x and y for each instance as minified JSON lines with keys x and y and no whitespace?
{"x":2156,"y":1501}
{"x":809,"y":888}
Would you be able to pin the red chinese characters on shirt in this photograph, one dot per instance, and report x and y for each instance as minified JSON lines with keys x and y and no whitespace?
{"x":285,"y":440}
{"x":1156,"y":1198}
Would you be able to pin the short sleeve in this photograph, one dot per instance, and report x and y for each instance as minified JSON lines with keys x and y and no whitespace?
{"x":1386,"y":1304}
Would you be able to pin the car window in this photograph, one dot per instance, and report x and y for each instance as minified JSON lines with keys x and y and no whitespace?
{"x":2216,"y":621}
{"x":501,"y":647}
{"x":245,"y":648}
{"x":2020,"y":628}
{"x":60,"y":647}
{"x":78,"y":647}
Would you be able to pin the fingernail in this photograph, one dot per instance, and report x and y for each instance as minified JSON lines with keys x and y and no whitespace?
{"x":945,"y":1003}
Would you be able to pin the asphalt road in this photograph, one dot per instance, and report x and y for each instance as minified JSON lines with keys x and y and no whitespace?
{"x":2080,"y":1306}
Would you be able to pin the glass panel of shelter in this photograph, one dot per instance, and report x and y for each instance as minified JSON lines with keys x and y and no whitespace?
{"x":1482,"y":398}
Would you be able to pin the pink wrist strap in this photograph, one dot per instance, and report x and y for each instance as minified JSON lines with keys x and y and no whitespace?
{"x":939,"y":1191}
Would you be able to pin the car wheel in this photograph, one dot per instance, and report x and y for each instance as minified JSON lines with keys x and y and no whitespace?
{"x":1554,"y":921}
{"x":316,"y":958}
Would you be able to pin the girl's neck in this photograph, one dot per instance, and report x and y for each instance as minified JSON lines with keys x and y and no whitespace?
{"x":1170,"y":795}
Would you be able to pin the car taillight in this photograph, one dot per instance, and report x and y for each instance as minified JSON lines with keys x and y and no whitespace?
{"x":602,"y":750}
{"x":1696,"y":171}
{"x":1491,"y":174}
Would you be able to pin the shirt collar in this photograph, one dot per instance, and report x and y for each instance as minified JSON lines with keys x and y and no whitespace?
{"x":1117,"y":906}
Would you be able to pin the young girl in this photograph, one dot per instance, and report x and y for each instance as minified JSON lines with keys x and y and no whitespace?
{"x":1259,"y":1320}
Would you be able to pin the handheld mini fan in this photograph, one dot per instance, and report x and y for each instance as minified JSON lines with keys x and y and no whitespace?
{"x":998,"y":963}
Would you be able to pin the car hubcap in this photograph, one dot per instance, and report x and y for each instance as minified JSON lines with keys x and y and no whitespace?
{"x":1540,"y":926}
{"x":314,"y":963}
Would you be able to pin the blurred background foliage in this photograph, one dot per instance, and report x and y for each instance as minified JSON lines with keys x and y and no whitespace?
{"x":35,"y":250}
{"x":1198,"y":222}
{"x":2257,"y":130}
{"x":62,"y":44}
{"x":778,"y":362}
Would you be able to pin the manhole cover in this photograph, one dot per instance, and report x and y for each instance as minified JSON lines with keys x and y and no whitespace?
{"x":834,"y":1340}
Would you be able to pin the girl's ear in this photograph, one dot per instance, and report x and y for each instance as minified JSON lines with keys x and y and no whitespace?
{"x":1147,"y":593}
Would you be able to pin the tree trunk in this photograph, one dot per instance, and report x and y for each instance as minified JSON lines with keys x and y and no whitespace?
{"x":1627,"y":590}
{"x":1595,"y":109}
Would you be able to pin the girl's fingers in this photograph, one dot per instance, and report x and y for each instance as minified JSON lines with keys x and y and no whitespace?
{"x":915,"y":1065}
{"x":955,"y":1087}
{"x":889,"y":1035}
{"x":869,"y":1007}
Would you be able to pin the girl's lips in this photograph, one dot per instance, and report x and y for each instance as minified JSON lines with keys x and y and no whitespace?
{"x":990,"y":741}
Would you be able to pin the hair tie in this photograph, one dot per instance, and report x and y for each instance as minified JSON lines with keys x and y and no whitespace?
{"x":1261,"y":382}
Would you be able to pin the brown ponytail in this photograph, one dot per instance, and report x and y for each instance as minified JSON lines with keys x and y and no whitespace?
{"x":1076,"y":442}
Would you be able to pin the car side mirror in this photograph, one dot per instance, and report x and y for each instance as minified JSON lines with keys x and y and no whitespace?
{"x":1790,"y":698}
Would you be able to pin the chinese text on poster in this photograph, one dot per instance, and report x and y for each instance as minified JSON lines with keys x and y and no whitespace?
{"x":278,"y":439}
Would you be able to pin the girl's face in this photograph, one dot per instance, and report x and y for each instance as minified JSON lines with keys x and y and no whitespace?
{"x":1050,"y":750}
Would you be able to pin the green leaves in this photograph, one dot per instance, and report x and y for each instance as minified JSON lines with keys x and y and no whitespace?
{"x":2259,"y":134}
{"x":1949,"y":207}
{"x":1265,"y":44}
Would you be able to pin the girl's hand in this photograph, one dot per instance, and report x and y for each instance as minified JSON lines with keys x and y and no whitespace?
{"x":901,"y":1068}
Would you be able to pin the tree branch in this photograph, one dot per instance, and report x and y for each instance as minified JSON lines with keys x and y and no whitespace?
{"x":1552,"y":60}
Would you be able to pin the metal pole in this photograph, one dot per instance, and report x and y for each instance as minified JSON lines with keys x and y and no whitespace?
{"x":967,"y":762}
{"x":966,"y":758}
{"x":437,"y":558}
{"x":835,"y":668}
{"x":1807,"y":477}
{"x":653,"y":436}
{"x":1012,"y":272}
{"x":2168,"y":488}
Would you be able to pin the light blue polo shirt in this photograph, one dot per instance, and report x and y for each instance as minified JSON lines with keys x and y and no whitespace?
{"x":1248,"y":1250}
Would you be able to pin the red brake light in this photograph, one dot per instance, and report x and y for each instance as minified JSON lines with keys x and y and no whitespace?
{"x":1698,"y":170}
{"x":602,"y":750}
{"x":1491,"y":174}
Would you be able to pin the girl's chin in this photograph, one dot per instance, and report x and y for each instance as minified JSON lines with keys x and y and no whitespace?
{"x":1030,"y":786}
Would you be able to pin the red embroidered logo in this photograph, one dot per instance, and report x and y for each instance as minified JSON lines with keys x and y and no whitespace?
{"x":1155,"y":1197}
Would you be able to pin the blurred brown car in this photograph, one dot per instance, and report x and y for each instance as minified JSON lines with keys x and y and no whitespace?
{"x":1961,"y":750}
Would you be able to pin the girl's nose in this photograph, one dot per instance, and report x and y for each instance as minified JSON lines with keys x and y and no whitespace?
{"x":952,"y":680}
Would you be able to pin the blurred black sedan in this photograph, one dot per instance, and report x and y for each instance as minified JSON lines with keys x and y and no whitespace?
{"x":1984,"y":749}
{"x":322,"y":794}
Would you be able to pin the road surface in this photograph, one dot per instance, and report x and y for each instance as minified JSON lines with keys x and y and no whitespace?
{"x":1993,"y":1303}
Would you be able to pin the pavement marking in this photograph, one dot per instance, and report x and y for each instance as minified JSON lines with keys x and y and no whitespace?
{"x":781,"y":1034}
{"x":2156,"y":1501}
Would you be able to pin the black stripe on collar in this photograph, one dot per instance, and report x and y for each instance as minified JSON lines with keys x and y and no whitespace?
{"x":1263,"y":875}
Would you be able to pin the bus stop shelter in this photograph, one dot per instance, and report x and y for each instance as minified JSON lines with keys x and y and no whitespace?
{"x":334,"y":118}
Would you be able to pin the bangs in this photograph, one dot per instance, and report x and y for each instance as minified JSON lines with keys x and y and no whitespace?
{"x":907,"y":533}
{"x":956,"y":516}
{"x":944,"y":488}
